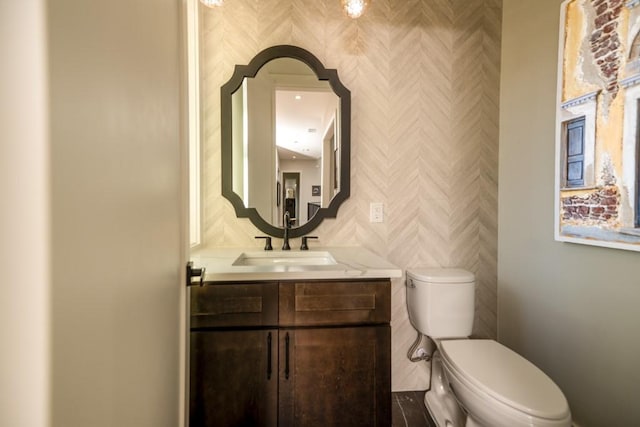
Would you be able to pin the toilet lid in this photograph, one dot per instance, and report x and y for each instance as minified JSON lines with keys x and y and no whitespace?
{"x":506,"y":376}
{"x":441,"y":275}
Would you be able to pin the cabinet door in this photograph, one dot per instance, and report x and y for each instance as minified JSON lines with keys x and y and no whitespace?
{"x":335,"y":377}
{"x":223,"y":305}
{"x":318,"y":303}
{"x":234,"y":378}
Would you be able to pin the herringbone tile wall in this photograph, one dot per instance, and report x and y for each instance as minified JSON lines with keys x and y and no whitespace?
{"x":424,"y":80}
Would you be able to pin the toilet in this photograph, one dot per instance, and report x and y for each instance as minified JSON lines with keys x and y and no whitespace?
{"x":476,"y":382}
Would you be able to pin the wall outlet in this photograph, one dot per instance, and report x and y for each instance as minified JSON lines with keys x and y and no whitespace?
{"x":376,"y":212}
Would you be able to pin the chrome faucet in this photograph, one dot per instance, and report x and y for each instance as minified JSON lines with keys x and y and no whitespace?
{"x":287,"y":227}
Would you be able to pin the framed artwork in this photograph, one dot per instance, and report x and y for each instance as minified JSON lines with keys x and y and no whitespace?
{"x":597,"y":185}
{"x":315,"y":190}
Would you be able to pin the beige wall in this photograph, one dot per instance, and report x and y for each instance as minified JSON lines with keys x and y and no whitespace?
{"x":24,"y":217}
{"x":571,"y":309}
{"x":424,"y":80}
{"x":114,"y":72}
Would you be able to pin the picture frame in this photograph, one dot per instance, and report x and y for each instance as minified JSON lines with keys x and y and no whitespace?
{"x":597,"y":164}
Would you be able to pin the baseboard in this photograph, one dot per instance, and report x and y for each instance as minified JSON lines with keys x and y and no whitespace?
{"x":402,"y":390}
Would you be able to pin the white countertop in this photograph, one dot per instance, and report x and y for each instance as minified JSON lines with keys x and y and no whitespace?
{"x":351,"y":263}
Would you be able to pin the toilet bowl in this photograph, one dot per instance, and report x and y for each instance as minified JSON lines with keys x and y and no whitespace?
{"x":497,"y":387}
{"x":474,"y":382}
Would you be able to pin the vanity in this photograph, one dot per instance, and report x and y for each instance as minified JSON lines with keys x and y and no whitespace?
{"x":282,"y":343}
{"x":288,"y":337}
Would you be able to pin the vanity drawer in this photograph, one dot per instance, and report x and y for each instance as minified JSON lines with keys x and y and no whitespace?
{"x":315,"y":303}
{"x":234,"y":305}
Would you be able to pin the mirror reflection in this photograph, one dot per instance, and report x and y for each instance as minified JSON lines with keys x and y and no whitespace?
{"x":286,"y":142}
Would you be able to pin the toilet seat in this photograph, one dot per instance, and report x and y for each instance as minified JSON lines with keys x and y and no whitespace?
{"x":497,"y":373}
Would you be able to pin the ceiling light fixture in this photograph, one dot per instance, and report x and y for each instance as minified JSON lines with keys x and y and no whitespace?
{"x":212,"y":3}
{"x":354,"y":8}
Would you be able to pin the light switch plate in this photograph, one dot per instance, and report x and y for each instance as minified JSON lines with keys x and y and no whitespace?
{"x":376,"y":212}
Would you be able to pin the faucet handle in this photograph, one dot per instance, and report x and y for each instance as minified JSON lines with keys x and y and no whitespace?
{"x":267,"y":243}
{"x":304,"y":246}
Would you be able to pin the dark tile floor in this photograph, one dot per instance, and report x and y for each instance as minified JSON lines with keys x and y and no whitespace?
{"x":408,"y":410}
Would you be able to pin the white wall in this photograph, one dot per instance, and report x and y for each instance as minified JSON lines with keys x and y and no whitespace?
{"x":571,"y":309}
{"x":24,"y":217}
{"x":261,"y":146}
{"x":116,"y":207}
{"x":310,"y":174}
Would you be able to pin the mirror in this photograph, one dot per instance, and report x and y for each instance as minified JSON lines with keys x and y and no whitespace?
{"x":286,"y":125}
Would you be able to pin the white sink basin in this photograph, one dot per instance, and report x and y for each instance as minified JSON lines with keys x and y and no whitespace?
{"x":274,"y":258}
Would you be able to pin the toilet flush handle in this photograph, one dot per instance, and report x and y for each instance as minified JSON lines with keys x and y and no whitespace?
{"x":410,"y":283}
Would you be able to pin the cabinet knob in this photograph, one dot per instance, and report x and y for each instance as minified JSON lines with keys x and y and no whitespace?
{"x":269,"y":358}
{"x":286,"y":356}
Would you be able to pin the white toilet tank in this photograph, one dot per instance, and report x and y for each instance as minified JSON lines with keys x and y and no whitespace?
{"x":441,"y":301}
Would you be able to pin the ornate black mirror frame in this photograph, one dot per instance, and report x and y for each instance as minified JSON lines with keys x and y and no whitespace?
{"x":226,"y":91}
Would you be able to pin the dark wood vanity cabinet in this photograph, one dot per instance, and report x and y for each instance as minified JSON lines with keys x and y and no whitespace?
{"x":230,"y":380}
{"x":337,"y":377}
{"x":324,"y":361}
